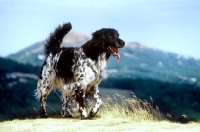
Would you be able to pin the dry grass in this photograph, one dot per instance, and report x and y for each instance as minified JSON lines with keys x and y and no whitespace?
{"x":128,"y":108}
{"x":117,"y":114}
{"x":118,"y":106}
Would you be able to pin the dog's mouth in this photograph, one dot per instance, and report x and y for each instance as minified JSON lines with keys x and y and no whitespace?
{"x":114,"y":51}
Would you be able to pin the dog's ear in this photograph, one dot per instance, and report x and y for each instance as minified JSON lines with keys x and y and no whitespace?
{"x":99,"y":34}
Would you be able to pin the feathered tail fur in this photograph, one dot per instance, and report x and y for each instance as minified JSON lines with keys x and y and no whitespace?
{"x":54,"y":41}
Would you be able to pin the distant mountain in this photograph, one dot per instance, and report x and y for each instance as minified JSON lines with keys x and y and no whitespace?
{"x":34,"y":54}
{"x":137,"y":61}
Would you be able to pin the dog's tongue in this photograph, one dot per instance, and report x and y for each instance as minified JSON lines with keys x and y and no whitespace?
{"x":115,"y":52}
{"x":118,"y":57}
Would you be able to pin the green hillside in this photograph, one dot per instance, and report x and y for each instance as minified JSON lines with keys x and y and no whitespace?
{"x":148,"y":63}
{"x":137,"y":61}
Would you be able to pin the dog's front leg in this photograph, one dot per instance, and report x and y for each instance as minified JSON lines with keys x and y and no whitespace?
{"x":98,"y":101}
{"x":80,"y":98}
{"x":65,"y":106}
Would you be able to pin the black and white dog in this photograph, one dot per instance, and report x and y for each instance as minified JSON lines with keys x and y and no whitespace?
{"x":77,"y":71}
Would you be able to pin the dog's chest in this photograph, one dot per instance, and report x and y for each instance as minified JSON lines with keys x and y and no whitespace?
{"x":89,"y":71}
{"x":94,"y":70}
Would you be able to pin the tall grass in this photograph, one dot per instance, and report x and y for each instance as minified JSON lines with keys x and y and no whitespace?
{"x":119,"y":106}
{"x":133,"y":108}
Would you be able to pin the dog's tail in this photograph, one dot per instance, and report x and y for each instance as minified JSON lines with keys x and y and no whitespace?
{"x":54,"y":41}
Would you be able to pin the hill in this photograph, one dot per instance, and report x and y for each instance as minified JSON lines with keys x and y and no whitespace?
{"x":137,"y":61}
{"x":34,"y":54}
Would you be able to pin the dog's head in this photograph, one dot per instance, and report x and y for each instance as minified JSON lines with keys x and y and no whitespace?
{"x":110,"y":41}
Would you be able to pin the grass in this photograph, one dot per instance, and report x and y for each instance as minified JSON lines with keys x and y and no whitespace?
{"x":117,"y":106}
{"x":117,"y":113}
{"x":95,"y":125}
{"x":129,"y":108}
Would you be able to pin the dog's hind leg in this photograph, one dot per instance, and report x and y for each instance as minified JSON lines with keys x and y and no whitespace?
{"x":43,"y":90}
{"x":44,"y":86}
{"x":96,"y":96}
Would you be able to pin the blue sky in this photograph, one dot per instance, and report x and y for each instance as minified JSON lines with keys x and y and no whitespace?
{"x":169,"y":25}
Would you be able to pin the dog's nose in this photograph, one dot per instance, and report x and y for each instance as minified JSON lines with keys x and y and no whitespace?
{"x":122,"y":43}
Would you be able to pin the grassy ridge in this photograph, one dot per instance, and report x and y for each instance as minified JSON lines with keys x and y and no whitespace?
{"x":117,"y":114}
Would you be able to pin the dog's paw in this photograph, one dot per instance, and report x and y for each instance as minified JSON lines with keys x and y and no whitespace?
{"x":92,"y":113}
{"x":43,"y":116}
{"x":67,"y":116}
{"x":84,"y":117}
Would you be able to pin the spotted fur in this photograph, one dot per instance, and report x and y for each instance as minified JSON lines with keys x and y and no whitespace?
{"x":76,"y":71}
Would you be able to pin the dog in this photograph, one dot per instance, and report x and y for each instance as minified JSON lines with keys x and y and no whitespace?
{"x":76,"y":71}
